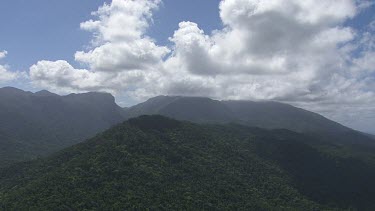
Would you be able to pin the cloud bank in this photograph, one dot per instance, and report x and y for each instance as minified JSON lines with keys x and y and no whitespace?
{"x":298,"y":52}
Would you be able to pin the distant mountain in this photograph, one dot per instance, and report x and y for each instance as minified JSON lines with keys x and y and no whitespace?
{"x":269,"y":115}
{"x":195,"y":109}
{"x":274,"y":115}
{"x":45,"y":93}
{"x":36,"y":124}
{"x":157,"y":163}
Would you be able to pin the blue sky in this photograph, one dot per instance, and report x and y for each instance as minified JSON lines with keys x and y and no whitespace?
{"x":317,"y":55}
{"x":49,"y":29}
{"x":43,"y":29}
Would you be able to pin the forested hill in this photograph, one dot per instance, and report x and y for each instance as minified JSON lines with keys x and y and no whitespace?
{"x":153,"y":162}
{"x":36,"y":124}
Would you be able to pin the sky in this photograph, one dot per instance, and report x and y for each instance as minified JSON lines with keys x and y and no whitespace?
{"x":314,"y":54}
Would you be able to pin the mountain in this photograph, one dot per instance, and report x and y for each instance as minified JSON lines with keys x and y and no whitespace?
{"x":269,"y":115}
{"x":195,"y":109}
{"x":274,"y":115}
{"x":36,"y":124}
{"x":153,"y":162}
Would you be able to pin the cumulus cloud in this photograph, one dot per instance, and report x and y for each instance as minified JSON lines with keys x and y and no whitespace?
{"x":5,"y":74}
{"x":3,"y":54}
{"x":60,"y":74}
{"x":119,"y":34}
{"x":264,"y":52}
{"x":294,"y":51}
{"x":121,"y":57}
{"x":62,"y":77}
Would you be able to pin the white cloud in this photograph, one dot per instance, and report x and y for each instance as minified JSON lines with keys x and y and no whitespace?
{"x":61,"y":77}
{"x":5,"y":74}
{"x":3,"y":54}
{"x":60,"y":74}
{"x":264,"y":52}
{"x":121,"y":58}
{"x":295,"y":51}
{"x":119,"y":36}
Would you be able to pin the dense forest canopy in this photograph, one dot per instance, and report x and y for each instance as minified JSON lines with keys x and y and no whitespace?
{"x":153,"y":162}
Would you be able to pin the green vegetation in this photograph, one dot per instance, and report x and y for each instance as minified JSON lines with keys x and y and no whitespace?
{"x":153,"y":162}
{"x":38,"y":124}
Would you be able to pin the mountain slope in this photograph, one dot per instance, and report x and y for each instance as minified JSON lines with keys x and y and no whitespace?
{"x":37,"y":124}
{"x":275,"y":115}
{"x":269,"y":115}
{"x":195,"y":109}
{"x":153,"y":162}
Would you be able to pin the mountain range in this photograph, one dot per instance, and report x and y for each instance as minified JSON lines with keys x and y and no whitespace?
{"x":38,"y":124}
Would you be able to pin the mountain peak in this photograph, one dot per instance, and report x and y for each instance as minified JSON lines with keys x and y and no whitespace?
{"x":45,"y":93}
{"x":92,"y":97}
{"x":12,"y":90}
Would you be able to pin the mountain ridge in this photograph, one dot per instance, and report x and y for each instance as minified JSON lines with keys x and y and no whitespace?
{"x":37,"y":124}
{"x":263,"y":114}
{"x":251,"y":113}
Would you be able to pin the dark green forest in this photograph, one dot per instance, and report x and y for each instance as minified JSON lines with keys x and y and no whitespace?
{"x":154,"y":162}
{"x":37,"y":124}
